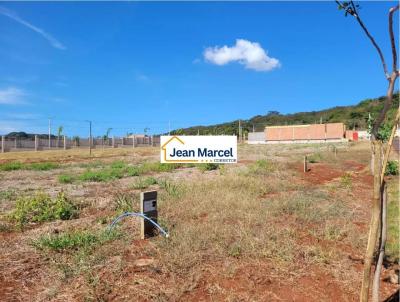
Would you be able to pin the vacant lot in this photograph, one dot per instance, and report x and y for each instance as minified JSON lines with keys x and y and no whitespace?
{"x":260,"y":230}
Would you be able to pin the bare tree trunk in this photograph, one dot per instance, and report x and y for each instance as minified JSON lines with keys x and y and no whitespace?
{"x":374,"y":225}
{"x":378,"y":268}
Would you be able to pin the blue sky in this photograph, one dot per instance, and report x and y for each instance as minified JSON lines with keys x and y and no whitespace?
{"x":136,"y":65}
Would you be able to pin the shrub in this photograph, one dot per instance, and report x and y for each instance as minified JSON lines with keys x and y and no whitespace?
{"x":41,"y":207}
{"x":208,"y":167}
{"x":11,"y":166}
{"x":392,"y":168}
{"x":66,"y":178}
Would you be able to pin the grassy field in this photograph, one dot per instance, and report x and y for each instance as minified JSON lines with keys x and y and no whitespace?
{"x":259,"y":230}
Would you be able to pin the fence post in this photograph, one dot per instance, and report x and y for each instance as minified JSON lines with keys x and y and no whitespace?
{"x":15,"y":144}
{"x":152,"y":140}
{"x":305,"y":164}
{"x":133,"y":141}
{"x":113,"y":141}
{"x":65,"y":142}
{"x":36,"y":143}
{"x":3,"y":143}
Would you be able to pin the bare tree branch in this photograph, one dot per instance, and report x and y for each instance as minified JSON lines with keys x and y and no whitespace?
{"x":353,"y":11}
{"x":386,"y":106}
{"x":392,"y":41}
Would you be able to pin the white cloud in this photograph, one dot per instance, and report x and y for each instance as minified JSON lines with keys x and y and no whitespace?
{"x":12,"y":15}
{"x":12,"y":96}
{"x":249,"y":54}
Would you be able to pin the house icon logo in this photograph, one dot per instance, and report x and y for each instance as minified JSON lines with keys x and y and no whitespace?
{"x":169,"y":143}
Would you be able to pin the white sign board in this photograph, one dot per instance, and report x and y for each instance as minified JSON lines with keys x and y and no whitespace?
{"x":220,"y":149}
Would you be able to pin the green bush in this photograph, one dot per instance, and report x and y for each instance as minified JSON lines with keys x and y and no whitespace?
{"x":41,"y":207}
{"x":74,"y":240}
{"x":392,"y":168}
{"x":208,"y":167}
{"x":11,"y":166}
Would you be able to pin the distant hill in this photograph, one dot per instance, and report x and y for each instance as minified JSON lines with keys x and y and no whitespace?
{"x":354,"y":117}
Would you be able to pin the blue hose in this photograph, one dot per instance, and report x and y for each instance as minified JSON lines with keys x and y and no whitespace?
{"x":126,"y":214}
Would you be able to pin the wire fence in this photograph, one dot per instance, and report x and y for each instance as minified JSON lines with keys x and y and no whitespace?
{"x":63,"y":143}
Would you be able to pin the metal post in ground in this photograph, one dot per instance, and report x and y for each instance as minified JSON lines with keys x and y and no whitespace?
{"x":3,"y":143}
{"x":113,"y":141}
{"x":65,"y":142}
{"x":133,"y":141}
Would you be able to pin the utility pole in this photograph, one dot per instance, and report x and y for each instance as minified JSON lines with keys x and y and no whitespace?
{"x":90,"y":137}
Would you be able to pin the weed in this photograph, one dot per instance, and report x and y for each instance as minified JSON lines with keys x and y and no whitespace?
{"x":92,"y":164}
{"x":208,"y":167}
{"x":8,"y":195}
{"x":42,"y":166}
{"x":392,"y":168}
{"x":41,"y":207}
{"x":393,"y":219}
{"x":132,"y":171}
{"x":315,"y":254}
{"x":261,"y":167}
{"x":315,"y":158}
{"x":66,"y":178}
{"x":144,"y":183}
{"x":124,"y":202}
{"x":346,"y":180}
{"x":101,"y":175}
{"x":45,"y":166}
{"x":118,"y":164}
{"x":75,"y":240}
{"x":171,"y":188}
{"x":158,"y":167}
